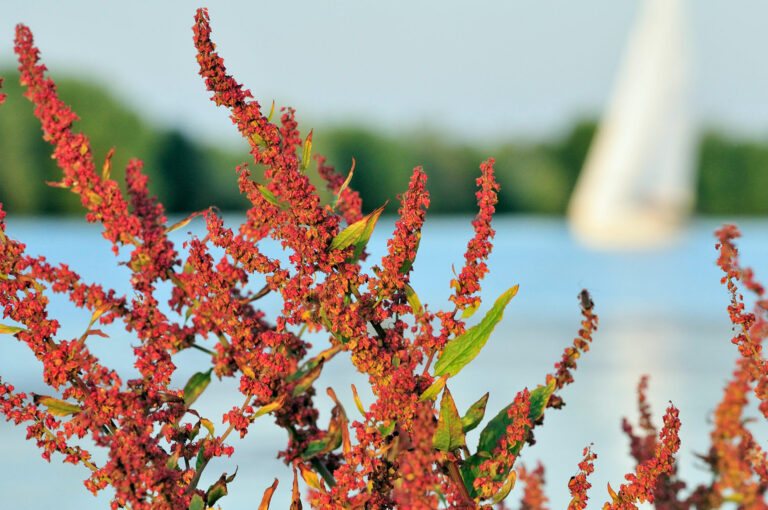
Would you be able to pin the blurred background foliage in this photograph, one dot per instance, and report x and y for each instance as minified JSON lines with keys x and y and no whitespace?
{"x":536,"y":177}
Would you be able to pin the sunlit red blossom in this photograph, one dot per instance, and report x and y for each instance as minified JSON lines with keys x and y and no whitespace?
{"x":349,"y":204}
{"x":749,"y":346}
{"x":502,"y":459}
{"x":402,"y":246}
{"x":578,"y":485}
{"x":640,"y":485}
{"x":479,"y":247}
{"x":563,"y":375}
{"x":533,"y":491}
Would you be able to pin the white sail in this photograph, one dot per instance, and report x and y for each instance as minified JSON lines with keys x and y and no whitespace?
{"x":636,"y":187}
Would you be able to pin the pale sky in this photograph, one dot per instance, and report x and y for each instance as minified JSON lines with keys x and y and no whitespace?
{"x":476,"y":70}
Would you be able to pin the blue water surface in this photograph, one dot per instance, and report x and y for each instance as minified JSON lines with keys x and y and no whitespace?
{"x":662,"y":313}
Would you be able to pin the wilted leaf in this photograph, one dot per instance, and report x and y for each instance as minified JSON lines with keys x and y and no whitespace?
{"x":474,"y":414}
{"x":449,"y":435}
{"x":267,"y":498}
{"x":196,"y":385}
{"x":307,"y":151}
{"x":296,"y":498}
{"x":55,"y":406}
{"x":358,"y":403}
{"x":463,"y":349}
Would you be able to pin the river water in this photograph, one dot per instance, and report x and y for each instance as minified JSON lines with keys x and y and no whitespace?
{"x":662,"y":313}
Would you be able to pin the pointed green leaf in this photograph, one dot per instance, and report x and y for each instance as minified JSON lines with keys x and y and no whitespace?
{"x":344,"y":185}
{"x":209,"y":426}
{"x":271,"y":111}
{"x":357,"y":234}
{"x":180,"y":224}
{"x":433,"y":390}
{"x":448,"y":435}
{"x":56,"y":406}
{"x":270,"y":197}
{"x":463,"y":349}
{"x":272,"y":406}
{"x":413,"y":300}
{"x":200,"y":460}
{"x":195,"y":386}
{"x":495,"y":430}
{"x":386,"y":430}
{"x":10,"y":329}
{"x":509,"y":484}
{"x":408,"y":263}
{"x":172,"y":462}
{"x":307,"y":380}
{"x":197,"y":503}
{"x":319,"y":446}
{"x":470,"y":311}
{"x":474,"y":414}
{"x":216,"y":491}
{"x":497,"y":427}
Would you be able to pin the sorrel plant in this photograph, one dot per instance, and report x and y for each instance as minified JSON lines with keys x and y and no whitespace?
{"x":408,"y":450}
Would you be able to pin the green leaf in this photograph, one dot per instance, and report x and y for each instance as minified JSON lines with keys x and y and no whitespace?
{"x":55,"y":406}
{"x":272,"y":406}
{"x":497,"y":427}
{"x":319,"y":446}
{"x":216,"y":491}
{"x":474,"y":414}
{"x":495,"y":430}
{"x":307,"y":380}
{"x":270,"y":197}
{"x":173,"y":461}
{"x":200,"y":460}
{"x":209,"y":426}
{"x":344,"y":185}
{"x":195,"y":386}
{"x":307,"y":152}
{"x":470,"y":311}
{"x":509,"y":484}
{"x":10,"y":329}
{"x":431,"y":392}
{"x":413,"y":300}
{"x":463,"y":349}
{"x":449,"y":434}
{"x":407,"y":263}
{"x":386,"y":430}
{"x":357,"y":234}
{"x":197,"y":503}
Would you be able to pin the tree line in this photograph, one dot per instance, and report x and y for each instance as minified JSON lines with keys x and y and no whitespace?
{"x":186,"y":175}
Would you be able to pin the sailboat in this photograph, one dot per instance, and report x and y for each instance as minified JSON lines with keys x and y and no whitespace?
{"x":636,"y":189}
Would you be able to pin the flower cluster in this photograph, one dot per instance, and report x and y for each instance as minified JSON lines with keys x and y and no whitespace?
{"x":409,"y":449}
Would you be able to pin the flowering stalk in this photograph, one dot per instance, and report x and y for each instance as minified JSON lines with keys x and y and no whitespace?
{"x":408,"y":450}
